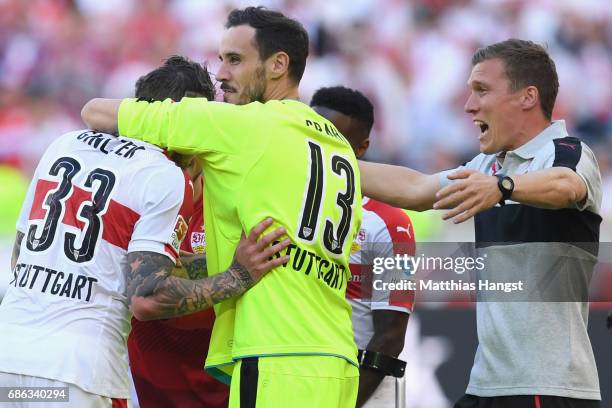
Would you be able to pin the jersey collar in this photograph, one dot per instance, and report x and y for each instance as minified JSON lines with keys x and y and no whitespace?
{"x":531,"y":148}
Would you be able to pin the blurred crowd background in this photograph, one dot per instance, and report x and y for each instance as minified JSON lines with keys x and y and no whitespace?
{"x":412,"y":58}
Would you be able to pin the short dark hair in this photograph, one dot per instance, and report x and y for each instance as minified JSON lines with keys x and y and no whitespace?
{"x":273,"y":33}
{"x":348,"y":101}
{"x":177,"y":77}
{"x":525,"y":64}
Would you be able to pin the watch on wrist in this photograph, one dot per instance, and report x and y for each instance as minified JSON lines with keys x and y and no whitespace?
{"x":506,"y":186}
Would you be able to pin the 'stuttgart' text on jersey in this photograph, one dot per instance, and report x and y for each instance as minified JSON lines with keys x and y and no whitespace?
{"x":93,"y":198}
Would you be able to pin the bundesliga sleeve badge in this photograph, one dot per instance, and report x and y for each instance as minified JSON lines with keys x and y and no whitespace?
{"x":179,"y":233}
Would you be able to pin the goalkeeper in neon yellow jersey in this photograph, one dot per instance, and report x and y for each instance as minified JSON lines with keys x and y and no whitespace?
{"x":291,"y":335}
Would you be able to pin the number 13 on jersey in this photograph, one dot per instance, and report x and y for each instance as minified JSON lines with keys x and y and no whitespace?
{"x":334,"y":231}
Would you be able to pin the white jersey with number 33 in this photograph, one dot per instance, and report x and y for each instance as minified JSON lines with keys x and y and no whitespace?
{"x":93,"y":198}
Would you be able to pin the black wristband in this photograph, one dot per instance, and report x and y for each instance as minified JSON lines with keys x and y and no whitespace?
{"x":382,"y":363}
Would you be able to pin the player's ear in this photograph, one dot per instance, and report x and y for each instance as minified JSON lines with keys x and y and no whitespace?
{"x":363,"y":146}
{"x":530,"y":97}
{"x":277,"y":65}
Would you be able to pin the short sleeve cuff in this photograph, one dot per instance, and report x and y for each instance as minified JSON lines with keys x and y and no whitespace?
{"x":444,"y":181}
{"x":21,"y":226}
{"x":153,"y":246}
{"x":386,"y":306}
{"x":587,"y":202}
{"x":125,"y":111}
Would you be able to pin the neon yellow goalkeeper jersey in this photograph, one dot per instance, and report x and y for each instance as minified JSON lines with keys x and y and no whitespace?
{"x":283,"y":160}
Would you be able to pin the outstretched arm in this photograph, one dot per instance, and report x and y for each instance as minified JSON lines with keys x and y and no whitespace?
{"x":399,"y":186}
{"x":154,"y":294}
{"x":473,"y":191}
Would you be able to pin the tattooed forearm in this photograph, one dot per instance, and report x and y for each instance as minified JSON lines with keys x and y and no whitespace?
{"x":154,"y":294}
{"x":16,"y":249}
{"x":195,"y":265}
{"x":241,"y":274}
{"x":233,"y":282}
{"x":176,"y":296}
{"x":146,"y":271}
{"x":151,"y":287}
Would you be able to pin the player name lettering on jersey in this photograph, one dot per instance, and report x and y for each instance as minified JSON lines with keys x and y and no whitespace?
{"x":110,"y":144}
{"x":58,"y":283}
{"x":305,"y":261}
{"x":328,"y":129}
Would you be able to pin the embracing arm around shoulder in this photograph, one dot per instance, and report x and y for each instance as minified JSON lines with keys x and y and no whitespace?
{"x":399,"y":186}
{"x":102,"y":114}
{"x":192,"y":126}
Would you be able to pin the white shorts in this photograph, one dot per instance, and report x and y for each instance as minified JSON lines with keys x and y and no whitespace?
{"x":77,"y":398}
